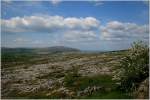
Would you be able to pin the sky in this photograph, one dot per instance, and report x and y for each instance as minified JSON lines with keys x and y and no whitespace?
{"x":85,"y":25}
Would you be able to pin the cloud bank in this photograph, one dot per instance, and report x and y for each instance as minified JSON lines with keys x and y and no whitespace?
{"x":116,"y":30}
{"x":74,"y":29}
{"x":47,"y":24}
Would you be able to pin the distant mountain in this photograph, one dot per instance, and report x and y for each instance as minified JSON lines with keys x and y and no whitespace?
{"x":15,"y":50}
{"x":54,"y":49}
{"x":61,"y":49}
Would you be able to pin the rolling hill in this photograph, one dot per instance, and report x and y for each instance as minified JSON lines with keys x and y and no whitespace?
{"x":54,"y":49}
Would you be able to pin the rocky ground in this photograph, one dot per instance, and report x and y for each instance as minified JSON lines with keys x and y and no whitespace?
{"x":50,"y":79}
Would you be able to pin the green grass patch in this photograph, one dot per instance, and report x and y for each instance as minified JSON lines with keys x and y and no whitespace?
{"x":80,"y":83}
{"x":114,"y":94}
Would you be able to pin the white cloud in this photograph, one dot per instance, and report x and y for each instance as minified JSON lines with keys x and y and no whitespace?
{"x":36,"y":42}
{"x":47,"y":24}
{"x":115,"y":25}
{"x":85,"y":23}
{"x":55,"y":2}
{"x":73,"y":29}
{"x":116,"y":30}
{"x":98,"y":3}
{"x":78,"y":36}
{"x":21,"y":40}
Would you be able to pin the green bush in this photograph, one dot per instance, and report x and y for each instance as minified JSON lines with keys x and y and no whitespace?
{"x":71,"y":77}
{"x":134,"y":67}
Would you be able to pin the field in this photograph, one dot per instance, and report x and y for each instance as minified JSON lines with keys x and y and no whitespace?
{"x":60,"y":75}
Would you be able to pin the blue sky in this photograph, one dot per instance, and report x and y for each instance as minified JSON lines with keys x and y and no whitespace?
{"x":87,"y":25}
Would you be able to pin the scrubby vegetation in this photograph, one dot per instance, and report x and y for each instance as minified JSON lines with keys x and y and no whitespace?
{"x":100,"y":75}
{"x":134,"y":67}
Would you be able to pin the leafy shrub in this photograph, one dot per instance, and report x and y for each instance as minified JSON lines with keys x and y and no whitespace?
{"x":134,"y":67}
{"x":71,"y":77}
